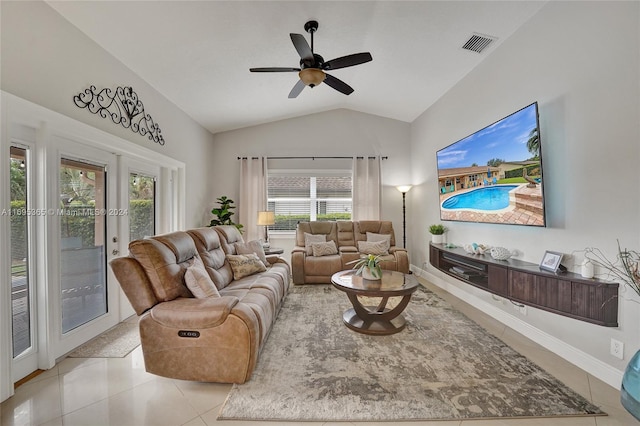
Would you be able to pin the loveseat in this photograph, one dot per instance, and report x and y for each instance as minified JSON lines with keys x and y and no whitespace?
{"x":200,"y":318}
{"x":351,"y":239}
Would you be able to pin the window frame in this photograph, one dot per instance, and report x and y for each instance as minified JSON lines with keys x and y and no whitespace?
{"x":313,"y":200}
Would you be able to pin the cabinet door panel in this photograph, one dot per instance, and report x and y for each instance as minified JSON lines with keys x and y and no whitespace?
{"x":499,"y":280}
{"x":521,"y":286}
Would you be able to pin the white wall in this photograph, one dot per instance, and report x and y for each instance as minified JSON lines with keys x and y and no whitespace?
{"x":580,"y":61}
{"x":47,"y":61}
{"x":333,"y":133}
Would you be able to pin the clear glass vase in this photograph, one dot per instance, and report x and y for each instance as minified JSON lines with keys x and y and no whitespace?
{"x":630,"y":390}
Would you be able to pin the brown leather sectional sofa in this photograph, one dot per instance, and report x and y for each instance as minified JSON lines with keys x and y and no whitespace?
{"x":307,"y":269}
{"x":213,"y":339}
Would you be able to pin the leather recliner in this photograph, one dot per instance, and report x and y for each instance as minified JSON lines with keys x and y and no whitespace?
{"x":214,"y":339}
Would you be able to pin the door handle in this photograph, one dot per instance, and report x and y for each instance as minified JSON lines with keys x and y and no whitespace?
{"x":115,"y":252}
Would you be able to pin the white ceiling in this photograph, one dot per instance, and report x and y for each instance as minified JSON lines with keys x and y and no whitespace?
{"x":198,"y":53}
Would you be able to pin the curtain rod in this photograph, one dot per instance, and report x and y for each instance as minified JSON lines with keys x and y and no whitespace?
{"x":312,"y":158}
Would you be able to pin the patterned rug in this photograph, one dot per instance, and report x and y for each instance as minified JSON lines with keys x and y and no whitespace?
{"x":442,"y":366}
{"x":117,"y":342}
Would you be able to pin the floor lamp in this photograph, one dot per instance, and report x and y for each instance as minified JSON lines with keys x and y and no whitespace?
{"x":266,"y":218}
{"x":404,"y":189}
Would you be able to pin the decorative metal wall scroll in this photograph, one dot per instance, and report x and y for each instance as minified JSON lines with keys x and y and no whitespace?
{"x":123,"y":107}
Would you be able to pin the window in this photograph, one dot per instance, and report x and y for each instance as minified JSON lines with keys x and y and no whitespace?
{"x":21,"y":293}
{"x":142,"y":195}
{"x":303,"y":196}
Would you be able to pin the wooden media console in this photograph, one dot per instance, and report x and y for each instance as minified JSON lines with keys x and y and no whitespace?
{"x":566,"y":293}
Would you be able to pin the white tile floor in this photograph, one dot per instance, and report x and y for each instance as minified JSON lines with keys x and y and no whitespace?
{"x":117,"y":391}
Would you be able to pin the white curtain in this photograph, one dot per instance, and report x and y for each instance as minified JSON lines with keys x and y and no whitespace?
{"x":367,"y":188}
{"x":253,"y":195}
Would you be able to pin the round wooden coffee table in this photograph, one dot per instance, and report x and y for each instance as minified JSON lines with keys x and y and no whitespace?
{"x":378,"y":320}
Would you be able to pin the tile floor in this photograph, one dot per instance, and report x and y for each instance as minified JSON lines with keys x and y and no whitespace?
{"x":117,"y":391}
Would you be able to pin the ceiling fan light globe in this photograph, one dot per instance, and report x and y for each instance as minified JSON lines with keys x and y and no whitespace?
{"x":312,"y":76}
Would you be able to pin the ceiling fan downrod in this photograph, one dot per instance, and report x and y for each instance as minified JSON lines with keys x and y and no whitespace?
{"x":311,"y":27}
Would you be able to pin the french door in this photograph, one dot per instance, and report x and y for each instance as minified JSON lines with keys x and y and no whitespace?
{"x":84,"y":237}
{"x":71,"y":198}
{"x":22,"y":281}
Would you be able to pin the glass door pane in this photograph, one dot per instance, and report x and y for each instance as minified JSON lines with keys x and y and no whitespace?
{"x":142,"y":194}
{"x":20,"y":282}
{"x":82,"y":243}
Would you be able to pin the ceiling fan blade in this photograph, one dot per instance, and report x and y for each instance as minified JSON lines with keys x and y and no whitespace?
{"x":296,"y":89}
{"x":338,"y":84}
{"x":301,"y":45}
{"x":347,"y":61}
{"x":274,"y":69}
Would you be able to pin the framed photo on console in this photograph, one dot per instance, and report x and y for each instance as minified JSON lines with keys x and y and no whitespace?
{"x":551,"y":261}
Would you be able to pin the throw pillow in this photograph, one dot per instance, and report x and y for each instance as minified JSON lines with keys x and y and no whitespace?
{"x":198,"y":280}
{"x":377,"y":248}
{"x":244,"y":265}
{"x":372,"y":237}
{"x":254,"y":246}
{"x":313,"y":238}
{"x":324,"y":249}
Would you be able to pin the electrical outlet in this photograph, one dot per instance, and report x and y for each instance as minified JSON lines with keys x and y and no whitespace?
{"x":617,"y":348}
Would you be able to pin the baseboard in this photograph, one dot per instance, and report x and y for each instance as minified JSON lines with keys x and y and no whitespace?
{"x":601,"y":370}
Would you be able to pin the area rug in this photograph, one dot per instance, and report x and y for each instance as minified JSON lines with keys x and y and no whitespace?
{"x":117,"y":342}
{"x":443,"y":366}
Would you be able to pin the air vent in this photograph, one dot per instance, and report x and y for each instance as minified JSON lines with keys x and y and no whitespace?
{"x":478,"y":42}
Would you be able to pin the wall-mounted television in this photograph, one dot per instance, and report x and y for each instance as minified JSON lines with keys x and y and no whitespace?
{"x":495,"y":174}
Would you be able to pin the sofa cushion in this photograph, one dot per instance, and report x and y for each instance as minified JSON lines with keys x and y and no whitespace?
{"x":328,"y":228}
{"x":229,"y":235}
{"x":209,"y":247}
{"x":160,"y":263}
{"x":245,"y":264}
{"x":324,"y":266}
{"x":252,"y":247}
{"x":378,"y":248}
{"x":373,"y":237}
{"x":324,"y":249}
{"x":198,"y":281}
{"x":313,"y":238}
{"x":385,"y":227}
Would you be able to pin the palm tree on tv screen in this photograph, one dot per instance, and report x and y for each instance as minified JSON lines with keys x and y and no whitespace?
{"x":533,"y":143}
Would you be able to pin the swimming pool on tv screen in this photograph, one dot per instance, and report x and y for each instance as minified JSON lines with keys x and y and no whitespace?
{"x":486,"y":198}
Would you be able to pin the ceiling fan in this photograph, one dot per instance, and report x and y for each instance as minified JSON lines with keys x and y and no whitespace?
{"x":313,"y":66}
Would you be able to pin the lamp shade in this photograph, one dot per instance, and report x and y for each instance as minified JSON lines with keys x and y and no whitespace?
{"x":404,"y":188}
{"x":311,"y":76}
{"x":266,"y":218}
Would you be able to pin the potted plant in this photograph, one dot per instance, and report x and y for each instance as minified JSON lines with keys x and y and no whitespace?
{"x":626,"y":268}
{"x":437,"y":233}
{"x":224,"y":213}
{"x":368,"y":266}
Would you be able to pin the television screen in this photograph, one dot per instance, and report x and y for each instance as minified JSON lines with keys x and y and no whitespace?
{"x":495,"y":174}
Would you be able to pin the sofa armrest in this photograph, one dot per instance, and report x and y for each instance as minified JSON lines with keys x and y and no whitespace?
{"x":299,"y":249}
{"x":393,"y":250}
{"x":402,"y":259}
{"x":192,"y":313}
{"x":297,"y":265}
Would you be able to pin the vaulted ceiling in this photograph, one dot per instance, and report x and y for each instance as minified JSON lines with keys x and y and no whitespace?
{"x":198,"y":53}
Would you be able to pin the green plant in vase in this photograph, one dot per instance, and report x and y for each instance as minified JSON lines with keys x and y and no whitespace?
{"x":437,"y":233}
{"x":224,"y":213}
{"x":437,"y":229}
{"x":368,"y":266}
